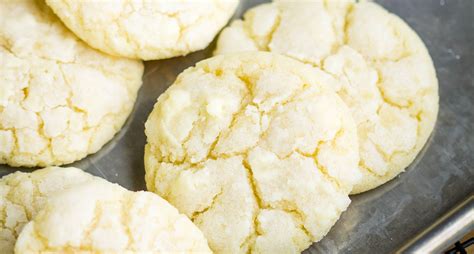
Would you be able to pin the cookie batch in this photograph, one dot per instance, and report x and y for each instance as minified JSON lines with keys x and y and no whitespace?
{"x":254,"y":150}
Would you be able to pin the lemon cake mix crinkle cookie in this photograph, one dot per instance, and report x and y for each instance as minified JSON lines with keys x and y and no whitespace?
{"x":150,"y":29}
{"x":59,"y":99}
{"x":23,"y":195}
{"x":387,"y":76}
{"x":256,"y":149}
{"x":101,"y":217}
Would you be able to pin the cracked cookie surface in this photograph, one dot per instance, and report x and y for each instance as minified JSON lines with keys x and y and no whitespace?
{"x":23,"y":195}
{"x":101,"y":217}
{"x":145,"y":29}
{"x":59,"y":99}
{"x":256,"y":149}
{"x":388,"y":78}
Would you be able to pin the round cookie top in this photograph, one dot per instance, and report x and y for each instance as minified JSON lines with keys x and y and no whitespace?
{"x":102,"y":217}
{"x":23,"y":195}
{"x":147,"y":30}
{"x":59,"y":99}
{"x":388,"y":78}
{"x":255,"y":149}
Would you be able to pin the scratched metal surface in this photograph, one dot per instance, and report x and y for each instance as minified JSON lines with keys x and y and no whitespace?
{"x":381,"y":220}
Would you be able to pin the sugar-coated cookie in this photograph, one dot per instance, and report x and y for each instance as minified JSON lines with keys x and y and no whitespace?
{"x":59,"y":99}
{"x":101,"y":217}
{"x":23,"y":195}
{"x":148,"y":30}
{"x":387,"y":76}
{"x":256,"y":149}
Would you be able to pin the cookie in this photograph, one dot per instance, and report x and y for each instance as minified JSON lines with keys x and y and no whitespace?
{"x":147,"y":30}
{"x":256,"y":149}
{"x":59,"y":99}
{"x":23,"y":195}
{"x":387,"y":76}
{"x":101,"y":217}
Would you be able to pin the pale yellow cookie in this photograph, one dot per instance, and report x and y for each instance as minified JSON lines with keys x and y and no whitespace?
{"x":59,"y":99}
{"x":256,"y":150}
{"x":387,"y":76}
{"x":23,"y":195}
{"x":101,"y":217}
{"x":152,"y":29}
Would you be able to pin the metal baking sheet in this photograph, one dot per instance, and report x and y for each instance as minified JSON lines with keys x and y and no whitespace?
{"x":381,"y":220}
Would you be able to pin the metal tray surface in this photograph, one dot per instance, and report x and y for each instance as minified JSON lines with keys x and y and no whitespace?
{"x":380,"y":220}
